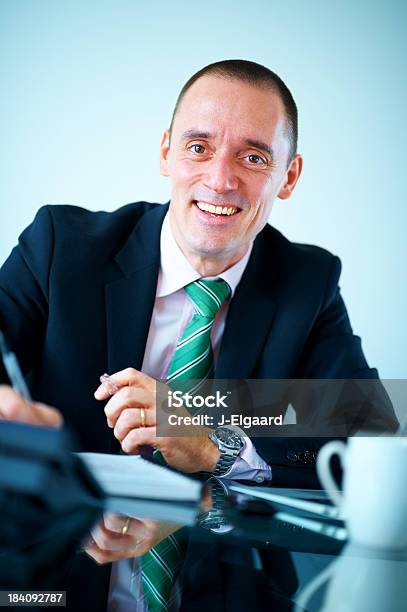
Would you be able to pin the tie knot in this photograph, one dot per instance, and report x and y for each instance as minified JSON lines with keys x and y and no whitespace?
{"x":208,"y":296}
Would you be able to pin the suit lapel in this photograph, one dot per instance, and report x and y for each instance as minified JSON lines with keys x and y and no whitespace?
{"x":130,"y":299}
{"x":250,"y":316}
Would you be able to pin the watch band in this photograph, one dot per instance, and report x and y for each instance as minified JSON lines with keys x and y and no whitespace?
{"x":225,"y":463}
{"x":228,"y":454}
{"x":214,"y":518}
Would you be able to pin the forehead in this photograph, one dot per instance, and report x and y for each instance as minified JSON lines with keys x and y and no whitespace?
{"x":216,"y":103}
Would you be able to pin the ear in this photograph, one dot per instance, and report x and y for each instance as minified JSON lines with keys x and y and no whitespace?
{"x":291,"y":177}
{"x":164,"y":151}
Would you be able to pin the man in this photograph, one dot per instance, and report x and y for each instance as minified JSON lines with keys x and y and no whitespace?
{"x":85,"y":293}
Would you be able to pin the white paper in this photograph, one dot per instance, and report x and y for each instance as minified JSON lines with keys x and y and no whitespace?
{"x":181,"y":513}
{"x":134,"y":477}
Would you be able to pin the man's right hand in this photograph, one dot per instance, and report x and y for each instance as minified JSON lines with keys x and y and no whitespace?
{"x":14,"y":408}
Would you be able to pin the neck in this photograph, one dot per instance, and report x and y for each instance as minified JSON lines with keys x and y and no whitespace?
{"x":207,"y":266}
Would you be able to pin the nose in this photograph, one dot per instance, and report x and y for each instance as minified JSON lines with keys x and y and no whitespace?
{"x":221,"y":175}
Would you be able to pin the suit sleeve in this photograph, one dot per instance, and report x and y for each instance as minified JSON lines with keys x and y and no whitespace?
{"x":24,"y":280}
{"x":332,"y":350}
{"x":332,"y":353}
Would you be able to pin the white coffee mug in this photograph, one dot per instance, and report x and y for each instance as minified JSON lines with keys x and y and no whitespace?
{"x":374,"y":499}
{"x":366,"y":582}
{"x":360,"y":580}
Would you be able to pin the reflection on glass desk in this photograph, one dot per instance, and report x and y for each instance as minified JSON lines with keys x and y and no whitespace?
{"x":297,"y":541}
{"x":286,"y":550}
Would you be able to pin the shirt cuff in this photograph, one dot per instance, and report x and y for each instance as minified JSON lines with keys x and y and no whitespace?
{"x":248,"y":465}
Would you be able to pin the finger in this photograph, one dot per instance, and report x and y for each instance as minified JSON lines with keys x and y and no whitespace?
{"x":108,"y":385}
{"x":13,"y":407}
{"x":108,"y":556}
{"x":139,"y":437}
{"x":130,"y":377}
{"x":99,"y":555}
{"x":127,"y":397}
{"x":116,"y":522}
{"x":111,"y":541}
{"x":130,"y":419}
{"x":48,"y":416}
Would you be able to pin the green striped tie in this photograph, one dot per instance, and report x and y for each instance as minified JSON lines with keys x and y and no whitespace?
{"x":193,"y":359}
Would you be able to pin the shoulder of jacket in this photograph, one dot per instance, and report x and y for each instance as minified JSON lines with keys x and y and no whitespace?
{"x":89,"y":222}
{"x":298,"y":255}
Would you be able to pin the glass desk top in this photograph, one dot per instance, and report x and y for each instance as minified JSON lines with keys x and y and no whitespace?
{"x":287,"y":553}
{"x":296,"y":540}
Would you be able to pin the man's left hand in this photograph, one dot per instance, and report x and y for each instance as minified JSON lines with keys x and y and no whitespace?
{"x":119,"y":537}
{"x":136,"y":391}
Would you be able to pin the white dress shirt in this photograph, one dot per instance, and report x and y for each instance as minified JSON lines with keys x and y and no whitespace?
{"x":171,"y":314}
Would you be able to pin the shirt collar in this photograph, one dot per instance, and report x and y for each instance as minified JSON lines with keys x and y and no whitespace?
{"x":176,"y":271}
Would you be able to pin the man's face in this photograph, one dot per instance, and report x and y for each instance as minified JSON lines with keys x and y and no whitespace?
{"x":229,"y":150}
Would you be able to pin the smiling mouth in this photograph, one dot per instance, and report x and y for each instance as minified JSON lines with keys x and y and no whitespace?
{"x":226,"y":211}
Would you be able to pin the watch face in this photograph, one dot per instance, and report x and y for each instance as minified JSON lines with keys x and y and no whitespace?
{"x":214,"y":519}
{"x":229,"y":438}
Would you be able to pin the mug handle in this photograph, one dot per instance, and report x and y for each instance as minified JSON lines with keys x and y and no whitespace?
{"x":336,"y":447}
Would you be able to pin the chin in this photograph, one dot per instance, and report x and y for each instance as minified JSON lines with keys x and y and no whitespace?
{"x":211,"y":250}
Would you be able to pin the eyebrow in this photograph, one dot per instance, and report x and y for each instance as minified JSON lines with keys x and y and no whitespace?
{"x":195,"y":134}
{"x":258,"y":144}
{"x":250,"y":142}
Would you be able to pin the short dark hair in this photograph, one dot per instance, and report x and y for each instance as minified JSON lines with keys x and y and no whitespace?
{"x":255,"y":74}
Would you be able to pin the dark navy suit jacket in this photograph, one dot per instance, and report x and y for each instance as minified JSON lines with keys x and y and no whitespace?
{"x":76,"y":299}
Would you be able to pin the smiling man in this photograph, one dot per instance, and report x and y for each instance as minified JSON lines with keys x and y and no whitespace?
{"x":201,"y":287}
{"x":230,"y":151}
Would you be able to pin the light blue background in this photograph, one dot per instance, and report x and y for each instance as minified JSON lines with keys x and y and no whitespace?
{"x":88,"y":87}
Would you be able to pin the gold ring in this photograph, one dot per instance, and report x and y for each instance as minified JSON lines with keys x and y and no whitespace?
{"x":142,"y":417}
{"x":126,"y":526}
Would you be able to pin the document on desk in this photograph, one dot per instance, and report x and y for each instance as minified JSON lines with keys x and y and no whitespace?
{"x":281,"y":497}
{"x":131,"y":476}
{"x":182,"y":513}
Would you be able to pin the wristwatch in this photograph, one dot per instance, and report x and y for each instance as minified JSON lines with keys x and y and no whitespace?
{"x":214,"y":518}
{"x":229,"y":444}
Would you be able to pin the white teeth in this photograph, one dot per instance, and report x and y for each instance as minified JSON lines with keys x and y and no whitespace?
{"x":217,"y":210}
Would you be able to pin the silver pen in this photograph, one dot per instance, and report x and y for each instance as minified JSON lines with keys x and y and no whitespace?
{"x":13,"y":369}
{"x":109,"y":384}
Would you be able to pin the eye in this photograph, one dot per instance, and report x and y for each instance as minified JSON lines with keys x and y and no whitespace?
{"x":198,"y":149}
{"x":256,"y":160}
